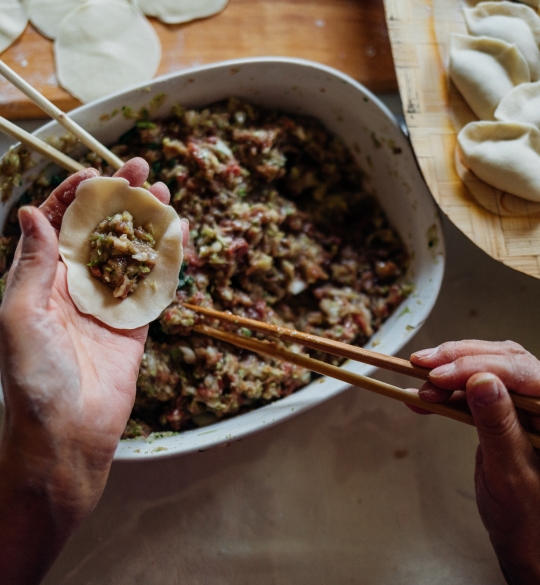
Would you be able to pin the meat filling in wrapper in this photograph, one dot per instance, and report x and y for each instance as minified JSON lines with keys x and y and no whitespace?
{"x":122,"y":254}
{"x":140,"y":264}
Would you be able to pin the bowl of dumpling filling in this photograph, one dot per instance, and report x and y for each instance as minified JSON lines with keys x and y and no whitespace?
{"x":306,"y":209}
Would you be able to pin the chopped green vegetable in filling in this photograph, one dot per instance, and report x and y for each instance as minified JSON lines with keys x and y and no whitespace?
{"x":121,"y":254}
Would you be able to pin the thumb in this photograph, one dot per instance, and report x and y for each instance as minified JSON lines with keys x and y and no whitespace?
{"x":36,"y":261}
{"x":502,"y":438}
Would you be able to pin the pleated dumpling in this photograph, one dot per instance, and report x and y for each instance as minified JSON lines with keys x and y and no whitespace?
{"x":521,"y":104}
{"x":484,"y":70}
{"x":505,"y":155}
{"x":514,"y":23}
{"x":493,"y":199}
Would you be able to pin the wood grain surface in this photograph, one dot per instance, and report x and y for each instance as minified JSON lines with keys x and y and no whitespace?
{"x":434,"y":111}
{"x":350,"y":35}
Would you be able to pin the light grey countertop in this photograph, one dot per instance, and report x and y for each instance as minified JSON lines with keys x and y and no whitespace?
{"x":357,"y":490}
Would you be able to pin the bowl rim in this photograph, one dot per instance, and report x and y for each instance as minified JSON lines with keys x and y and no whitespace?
{"x":233,"y":63}
{"x":153,"y":454}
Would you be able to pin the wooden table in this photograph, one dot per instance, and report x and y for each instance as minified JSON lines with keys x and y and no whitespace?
{"x":350,"y":35}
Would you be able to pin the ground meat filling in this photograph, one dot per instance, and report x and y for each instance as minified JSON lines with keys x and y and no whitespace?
{"x":283,"y":230}
{"x":121,"y":254}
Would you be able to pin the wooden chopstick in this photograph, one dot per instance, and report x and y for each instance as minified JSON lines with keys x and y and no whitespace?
{"x":56,"y":113}
{"x":330,"y":346}
{"x":40,"y":146}
{"x":343,"y":350}
{"x":410,"y":397}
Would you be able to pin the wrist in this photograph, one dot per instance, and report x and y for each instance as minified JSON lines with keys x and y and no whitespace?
{"x":53,"y":473}
{"x":40,"y":507}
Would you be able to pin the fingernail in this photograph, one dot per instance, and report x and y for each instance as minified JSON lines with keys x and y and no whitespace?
{"x":442,"y":371}
{"x":26,"y":221}
{"x":486,"y":390}
{"x":425,"y":353}
{"x":186,"y":221}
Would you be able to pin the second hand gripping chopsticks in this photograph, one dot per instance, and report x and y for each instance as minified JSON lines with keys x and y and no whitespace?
{"x":271,"y":349}
{"x":394,"y":364}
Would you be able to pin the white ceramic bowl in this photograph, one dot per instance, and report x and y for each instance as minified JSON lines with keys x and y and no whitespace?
{"x":367,"y":127}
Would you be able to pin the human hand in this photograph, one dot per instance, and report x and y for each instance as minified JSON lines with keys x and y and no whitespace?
{"x":69,"y":384}
{"x":507,"y":474}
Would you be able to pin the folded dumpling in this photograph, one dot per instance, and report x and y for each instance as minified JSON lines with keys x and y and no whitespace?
{"x":514,"y":23}
{"x":484,"y":70}
{"x":505,"y":155}
{"x":521,"y":104}
{"x":493,"y":199}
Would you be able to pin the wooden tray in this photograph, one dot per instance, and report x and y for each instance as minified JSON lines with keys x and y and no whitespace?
{"x":350,"y":35}
{"x":419,"y":34}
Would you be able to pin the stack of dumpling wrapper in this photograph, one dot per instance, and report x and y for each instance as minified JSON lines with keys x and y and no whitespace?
{"x":496,"y":68}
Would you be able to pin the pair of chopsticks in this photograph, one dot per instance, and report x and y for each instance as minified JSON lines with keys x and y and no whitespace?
{"x":394,"y":364}
{"x":42,"y":147}
{"x":49,"y":108}
{"x":267,"y":348}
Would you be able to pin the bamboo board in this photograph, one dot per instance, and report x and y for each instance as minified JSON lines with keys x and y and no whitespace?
{"x":420,"y":34}
{"x":347,"y":34}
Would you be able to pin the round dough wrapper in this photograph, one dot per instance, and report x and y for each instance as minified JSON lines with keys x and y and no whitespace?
{"x":493,"y":199}
{"x":516,"y":24}
{"x":505,"y":155}
{"x":178,"y":11}
{"x":97,"y":199}
{"x":103,"y":47}
{"x":47,"y":15}
{"x":521,"y":104}
{"x":485,"y":70}
{"x":13,"y":21}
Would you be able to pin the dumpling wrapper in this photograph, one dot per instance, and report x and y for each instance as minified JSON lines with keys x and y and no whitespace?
{"x":178,"y":11}
{"x":103,"y":47}
{"x":521,"y":104}
{"x":13,"y":21}
{"x":99,"y":198}
{"x":505,"y":155}
{"x":492,"y":199}
{"x":484,"y":70}
{"x":47,"y":15}
{"x":510,"y":22}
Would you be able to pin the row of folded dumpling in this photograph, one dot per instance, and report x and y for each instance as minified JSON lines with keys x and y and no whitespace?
{"x":496,"y":68}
